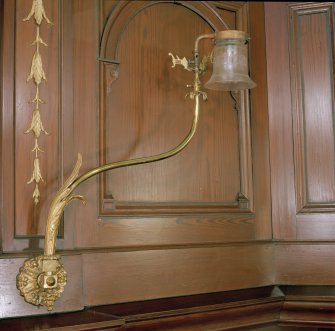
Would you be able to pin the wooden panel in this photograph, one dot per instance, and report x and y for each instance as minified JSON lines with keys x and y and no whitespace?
{"x":30,"y":218}
{"x":305,"y":263}
{"x":7,"y":143}
{"x":317,"y":227}
{"x":23,"y":221}
{"x":312,"y":54}
{"x":12,"y":304}
{"x":260,"y":123}
{"x":74,"y":128}
{"x":162,"y":255}
{"x":280,"y":121}
{"x":137,"y":229}
{"x":301,"y":124}
{"x":133,"y":127}
{"x":142,"y":275}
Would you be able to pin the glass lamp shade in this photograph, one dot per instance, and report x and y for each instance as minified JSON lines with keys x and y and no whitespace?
{"x":230,"y":62}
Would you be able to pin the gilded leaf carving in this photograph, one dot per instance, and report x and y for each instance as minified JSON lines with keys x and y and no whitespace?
{"x":36,"y":176}
{"x":36,"y":125}
{"x":36,"y":70}
{"x":37,"y":10}
{"x":37,"y":75}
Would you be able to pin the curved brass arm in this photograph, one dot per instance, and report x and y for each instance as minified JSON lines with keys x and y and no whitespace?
{"x":41,"y":279}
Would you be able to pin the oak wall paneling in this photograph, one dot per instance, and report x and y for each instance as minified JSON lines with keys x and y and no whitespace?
{"x":260,"y":122}
{"x":280,"y":122}
{"x":23,"y":221}
{"x":30,"y":218}
{"x":199,"y":214}
{"x":304,"y":263}
{"x":6,"y":117}
{"x":7,"y":85}
{"x":301,"y":113}
{"x":311,"y":53}
{"x":150,"y":274}
{"x":75,"y":120}
{"x":201,"y":222}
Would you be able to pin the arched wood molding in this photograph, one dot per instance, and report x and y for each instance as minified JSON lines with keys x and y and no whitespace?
{"x":118,"y":20}
{"x":125,"y":12}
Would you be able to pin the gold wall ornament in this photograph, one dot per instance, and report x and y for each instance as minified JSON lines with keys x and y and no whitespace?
{"x":45,"y":272}
{"x":41,"y":280}
{"x":37,"y":75}
{"x":37,"y":10}
{"x":36,"y":176}
{"x":36,"y":126}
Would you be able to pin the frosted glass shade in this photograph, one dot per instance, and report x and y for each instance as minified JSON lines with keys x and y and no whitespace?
{"x":230,"y":62}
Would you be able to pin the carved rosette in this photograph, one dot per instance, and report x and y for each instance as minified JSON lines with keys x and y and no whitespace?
{"x":41,"y":280}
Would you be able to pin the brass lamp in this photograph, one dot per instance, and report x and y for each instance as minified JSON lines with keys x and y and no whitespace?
{"x":42,"y":279}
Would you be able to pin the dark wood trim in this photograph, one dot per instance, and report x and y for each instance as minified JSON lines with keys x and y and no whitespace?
{"x":227,"y":310}
{"x":248,"y":309}
{"x":308,"y":306}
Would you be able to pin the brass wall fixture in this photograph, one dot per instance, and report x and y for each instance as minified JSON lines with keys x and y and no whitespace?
{"x":42,"y":279}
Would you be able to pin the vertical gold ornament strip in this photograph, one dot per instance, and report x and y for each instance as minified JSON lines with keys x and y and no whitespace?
{"x":37,"y":76}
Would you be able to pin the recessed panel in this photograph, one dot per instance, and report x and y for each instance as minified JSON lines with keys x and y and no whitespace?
{"x":146,"y":113}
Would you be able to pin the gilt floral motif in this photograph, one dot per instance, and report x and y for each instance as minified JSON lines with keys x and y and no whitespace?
{"x":37,"y":76}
